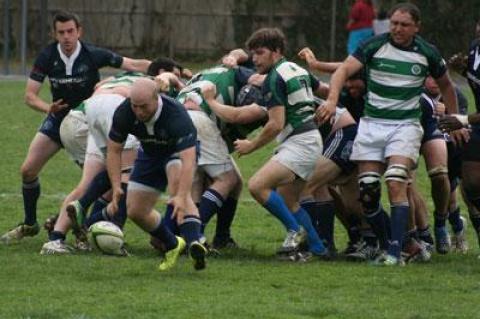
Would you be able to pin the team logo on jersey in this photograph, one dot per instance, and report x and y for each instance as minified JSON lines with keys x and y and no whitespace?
{"x":416,"y":69}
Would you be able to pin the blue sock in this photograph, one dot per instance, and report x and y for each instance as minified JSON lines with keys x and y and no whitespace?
{"x":399,"y":226}
{"x":380,"y":224}
{"x":96,"y":217}
{"x":99,"y":185}
{"x":31,"y":193}
{"x":455,"y":220}
{"x":167,"y":220}
{"x":120,"y":216}
{"x":190,"y":228}
{"x":315,"y":243}
{"x":165,"y":236}
{"x":225,"y":218}
{"x":55,"y":235}
{"x":210,"y":204}
{"x":276,"y":206}
{"x":439,"y":220}
{"x":326,"y":221}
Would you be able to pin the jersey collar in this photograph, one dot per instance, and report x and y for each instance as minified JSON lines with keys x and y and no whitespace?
{"x":71,"y":59}
{"x":150,"y":123}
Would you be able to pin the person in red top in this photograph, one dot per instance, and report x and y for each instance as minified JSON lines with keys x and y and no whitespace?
{"x":360,"y":21}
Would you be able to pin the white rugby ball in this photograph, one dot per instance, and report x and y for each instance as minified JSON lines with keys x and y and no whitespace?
{"x":108,"y":238}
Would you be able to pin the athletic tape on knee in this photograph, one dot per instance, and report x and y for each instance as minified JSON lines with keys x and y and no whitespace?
{"x":370,"y":190}
{"x":397,"y":173}
{"x":437,"y":171}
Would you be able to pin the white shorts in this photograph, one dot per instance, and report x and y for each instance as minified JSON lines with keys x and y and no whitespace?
{"x":377,"y":141}
{"x":300,"y":152}
{"x":99,"y":110}
{"x":75,"y":137}
{"x":213,"y":149}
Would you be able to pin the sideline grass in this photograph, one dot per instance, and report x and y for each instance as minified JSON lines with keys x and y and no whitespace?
{"x":248,"y":283}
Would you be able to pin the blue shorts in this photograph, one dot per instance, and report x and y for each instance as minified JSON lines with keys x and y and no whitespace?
{"x":150,"y":171}
{"x":51,"y":127}
{"x":338,"y":148}
{"x":431,"y":131}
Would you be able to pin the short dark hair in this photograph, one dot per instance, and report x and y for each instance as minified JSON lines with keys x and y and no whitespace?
{"x":65,"y":16}
{"x":166,"y":64}
{"x":270,"y":38}
{"x":407,"y":7}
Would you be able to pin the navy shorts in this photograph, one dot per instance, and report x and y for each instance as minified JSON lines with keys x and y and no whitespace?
{"x":431,"y":131}
{"x":471,"y":150}
{"x":51,"y":127}
{"x":150,"y":171}
{"x":338,"y":147}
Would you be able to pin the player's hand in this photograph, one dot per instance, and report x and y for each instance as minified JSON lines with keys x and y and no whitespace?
{"x":458,"y":62}
{"x":56,"y":106}
{"x":179,"y":206}
{"x":163,"y":84}
{"x":460,"y":137}
{"x":325,"y":112}
{"x":307,"y":55}
{"x":452,"y":122}
{"x":229,"y":61}
{"x":117,"y":194}
{"x":209,"y":91}
{"x":243,"y":147}
{"x":439,"y":109}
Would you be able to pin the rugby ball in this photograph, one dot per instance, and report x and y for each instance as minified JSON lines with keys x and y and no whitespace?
{"x":107,"y":238}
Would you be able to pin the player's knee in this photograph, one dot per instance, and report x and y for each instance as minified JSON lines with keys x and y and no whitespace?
{"x":397,"y":173}
{"x":28,"y":172}
{"x":438,"y":174}
{"x":370,"y":190}
{"x":255,"y":187}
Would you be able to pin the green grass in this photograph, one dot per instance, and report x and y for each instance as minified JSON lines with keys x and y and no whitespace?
{"x":248,"y":283}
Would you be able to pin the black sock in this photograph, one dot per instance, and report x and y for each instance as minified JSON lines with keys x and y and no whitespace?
{"x":99,"y":204}
{"x":120,"y":216}
{"x":326,"y":210}
{"x":167,"y":220}
{"x":55,"y":235}
{"x":439,"y":220}
{"x":370,"y":238}
{"x":380,"y":224}
{"x":210,"y":204}
{"x":425,"y":235}
{"x":190,"y":228}
{"x":312,"y":209}
{"x":165,"y":236}
{"x":225,"y":217}
{"x":31,"y":193}
{"x":99,"y":185}
{"x":455,"y":220}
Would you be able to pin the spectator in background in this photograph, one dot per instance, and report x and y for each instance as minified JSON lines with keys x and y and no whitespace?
{"x":360,"y":21}
{"x":381,"y":24}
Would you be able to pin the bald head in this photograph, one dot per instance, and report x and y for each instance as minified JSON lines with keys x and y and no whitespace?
{"x":144,"y":98}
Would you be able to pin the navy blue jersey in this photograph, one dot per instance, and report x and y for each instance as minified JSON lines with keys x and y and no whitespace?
{"x":79,"y":85}
{"x":171,"y":132}
{"x":355,"y":106}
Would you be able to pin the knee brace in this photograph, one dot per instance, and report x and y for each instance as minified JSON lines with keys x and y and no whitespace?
{"x":397,"y":173}
{"x":437,"y":171}
{"x":370,"y":190}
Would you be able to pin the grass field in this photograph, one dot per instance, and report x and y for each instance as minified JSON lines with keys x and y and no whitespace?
{"x":247,"y":283}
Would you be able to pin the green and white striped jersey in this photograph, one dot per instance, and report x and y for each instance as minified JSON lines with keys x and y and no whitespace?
{"x":395,"y":76}
{"x":291,"y":86}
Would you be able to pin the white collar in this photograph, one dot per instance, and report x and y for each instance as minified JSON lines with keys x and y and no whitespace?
{"x":71,"y":59}
{"x":150,"y":123}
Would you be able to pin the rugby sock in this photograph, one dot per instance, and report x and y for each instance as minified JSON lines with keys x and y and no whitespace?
{"x":380,"y":224}
{"x":31,"y":193}
{"x":314,"y":242}
{"x":96,"y":216}
{"x":165,"y":236}
{"x":425,"y":235}
{"x":168,"y":221}
{"x":354,"y":233}
{"x":326,"y":221}
{"x":276,"y":206}
{"x":455,"y":220}
{"x":310,"y":205}
{"x":190,"y":228}
{"x":210,"y":204}
{"x":120,"y":217}
{"x":439,"y":220}
{"x":99,"y":185}
{"x":99,"y":204}
{"x":55,"y":235}
{"x":398,"y":225}
{"x":225,"y":217}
